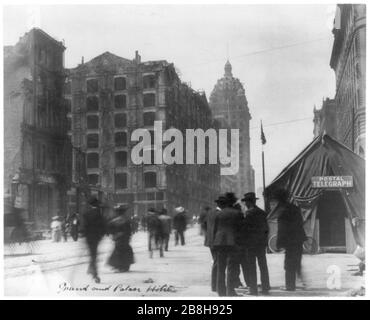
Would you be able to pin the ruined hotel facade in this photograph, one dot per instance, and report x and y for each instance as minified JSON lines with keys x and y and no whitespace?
{"x":36,"y":146}
{"x":109,"y":97}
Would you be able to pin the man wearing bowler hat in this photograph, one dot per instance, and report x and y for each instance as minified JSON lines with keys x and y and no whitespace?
{"x":209,"y":227}
{"x":224,"y":243}
{"x":254,"y":241}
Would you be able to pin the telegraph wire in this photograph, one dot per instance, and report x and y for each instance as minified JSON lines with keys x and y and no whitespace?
{"x":265,"y":50}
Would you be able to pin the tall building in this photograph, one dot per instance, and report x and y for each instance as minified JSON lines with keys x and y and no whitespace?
{"x":228,"y":102}
{"x":325,"y":119}
{"x":348,"y":60}
{"x":36,"y":145}
{"x":110,"y":97}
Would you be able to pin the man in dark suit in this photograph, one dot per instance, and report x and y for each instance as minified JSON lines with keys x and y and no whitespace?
{"x":253,"y":238}
{"x":95,"y":228}
{"x":224,"y":243}
{"x":290,"y":235}
{"x":238,"y":252}
{"x":208,"y":225}
{"x":179,"y":224}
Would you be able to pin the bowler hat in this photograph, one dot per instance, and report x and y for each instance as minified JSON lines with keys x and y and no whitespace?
{"x":249,"y":196}
{"x":231,"y":198}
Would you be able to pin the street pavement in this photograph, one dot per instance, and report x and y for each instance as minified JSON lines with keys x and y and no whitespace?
{"x":59,"y":270}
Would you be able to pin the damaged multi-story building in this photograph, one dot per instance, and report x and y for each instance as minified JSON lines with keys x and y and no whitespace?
{"x":36,"y":145}
{"x":229,"y":104}
{"x":110,"y":97}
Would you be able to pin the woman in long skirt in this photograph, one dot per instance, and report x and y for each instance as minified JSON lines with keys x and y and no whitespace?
{"x":120,"y":227}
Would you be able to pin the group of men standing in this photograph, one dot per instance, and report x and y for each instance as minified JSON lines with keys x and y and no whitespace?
{"x":238,"y":240}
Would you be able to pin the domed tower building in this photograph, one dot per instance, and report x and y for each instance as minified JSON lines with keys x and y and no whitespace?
{"x":229,"y":105}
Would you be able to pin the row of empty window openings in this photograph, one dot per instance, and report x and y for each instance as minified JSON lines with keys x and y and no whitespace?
{"x":120,"y":120}
{"x":120,"y":102}
{"x":121,"y":180}
{"x":92,"y":159}
{"x":92,"y":85}
{"x":121,"y":159}
{"x":120,"y":139}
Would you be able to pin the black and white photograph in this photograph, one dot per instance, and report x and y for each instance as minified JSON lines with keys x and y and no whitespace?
{"x":205,"y":150}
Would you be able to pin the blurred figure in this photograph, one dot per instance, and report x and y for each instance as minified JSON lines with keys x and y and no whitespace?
{"x":165,"y":227}
{"x":120,"y":228}
{"x":65,"y":228}
{"x":254,"y":237}
{"x":135,"y":223}
{"x":203,"y":219}
{"x":20,"y":233}
{"x":209,"y":228}
{"x":94,"y":230}
{"x":225,"y":246}
{"x":73,"y":222}
{"x":154,"y":228}
{"x":290,"y":235}
{"x":56,"y":229}
{"x":143,"y":222}
{"x":179,"y":224}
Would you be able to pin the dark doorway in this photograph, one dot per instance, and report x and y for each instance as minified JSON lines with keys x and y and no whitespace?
{"x":331,"y":214}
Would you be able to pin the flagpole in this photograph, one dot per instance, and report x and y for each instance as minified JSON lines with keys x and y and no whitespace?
{"x":263,"y":176}
{"x":263,"y":168}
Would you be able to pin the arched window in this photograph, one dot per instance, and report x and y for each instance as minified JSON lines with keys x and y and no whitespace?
{"x":121,"y":159}
{"x":120,"y":139}
{"x":120,"y":101}
{"x":92,"y":104}
{"x":92,"y":160}
{"x":120,"y":180}
{"x":150,"y":179}
{"x":149,"y":118}
{"x":120,"y":120}
{"x":92,"y":140}
{"x":92,"y":122}
{"x":149,"y":100}
{"x":119,"y":83}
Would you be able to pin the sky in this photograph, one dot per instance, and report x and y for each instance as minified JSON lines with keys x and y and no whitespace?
{"x":280,"y":53}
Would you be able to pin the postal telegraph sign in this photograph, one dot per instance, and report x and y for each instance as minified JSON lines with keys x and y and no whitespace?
{"x":332,"y":182}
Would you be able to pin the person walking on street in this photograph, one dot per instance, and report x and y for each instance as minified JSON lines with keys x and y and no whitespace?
{"x":203,"y":220}
{"x":290,"y":235}
{"x":209,"y":225}
{"x":56,"y":229}
{"x":226,"y":228}
{"x":94,"y":226}
{"x":154,"y":228}
{"x":179,"y":224}
{"x":254,"y":241}
{"x":165,"y":227}
{"x":65,"y":228}
{"x":120,"y":228}
{"x":74,"y":223}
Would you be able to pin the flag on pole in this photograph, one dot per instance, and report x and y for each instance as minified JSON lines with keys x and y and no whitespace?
{"x":263,"y":138}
